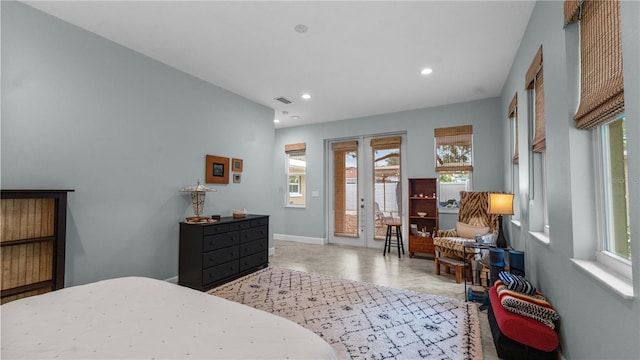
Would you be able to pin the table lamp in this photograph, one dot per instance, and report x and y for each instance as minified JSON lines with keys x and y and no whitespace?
{"x":197,"y":196}
{"x":501,"y":204}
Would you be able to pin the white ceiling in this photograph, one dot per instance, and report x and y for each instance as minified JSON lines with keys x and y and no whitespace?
{"x":358,"y":58}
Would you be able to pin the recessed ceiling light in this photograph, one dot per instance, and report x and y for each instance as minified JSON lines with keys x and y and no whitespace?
{"x":276,"y":121}
{"x":306,"y":96}
{"x":301,"y":28}
{"x":426,"y":71}
{"x":295,"y":117}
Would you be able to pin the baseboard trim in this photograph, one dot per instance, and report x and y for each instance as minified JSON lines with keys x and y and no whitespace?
{"x":301,"y":239}
{"x":173,"y":280}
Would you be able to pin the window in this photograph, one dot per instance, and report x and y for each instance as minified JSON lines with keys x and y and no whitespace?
{"x":512,"y":115}
{"x":454,"y":163}
{"x":534,"y":82}
{"x":294,"y":185}
{"x":450,"y":183}
{"x":296,"y":167}
{"x":614,"y":228}
{"x":601,"y":111}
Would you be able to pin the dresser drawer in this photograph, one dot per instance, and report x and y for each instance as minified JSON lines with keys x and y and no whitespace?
{"x":254,"y":260}
{"x":253,"y":247}
{"x":219,"y":272}
{"x":254,"y":234}
{"x":216,"y":229}
{"x":259,"y":222}
{"x":220,"y":256}
{"x":220,"y":241}
{"x":235,"y":226}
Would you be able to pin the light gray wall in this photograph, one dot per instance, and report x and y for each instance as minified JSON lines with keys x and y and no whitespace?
{"x":595,"y":323}
{"x":126,"y":132}
{"x":484,"y":115}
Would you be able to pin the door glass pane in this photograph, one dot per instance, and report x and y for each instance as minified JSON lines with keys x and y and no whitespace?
{"x":346,"y":192}
{"x":387,"y":188}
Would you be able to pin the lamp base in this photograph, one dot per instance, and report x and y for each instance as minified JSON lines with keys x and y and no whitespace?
{"x":501,"y":242}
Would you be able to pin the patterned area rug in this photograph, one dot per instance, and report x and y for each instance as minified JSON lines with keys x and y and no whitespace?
{"x":363,"y":321}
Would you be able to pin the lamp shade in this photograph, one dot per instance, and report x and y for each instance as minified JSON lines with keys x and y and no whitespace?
{"x":501,"y":204}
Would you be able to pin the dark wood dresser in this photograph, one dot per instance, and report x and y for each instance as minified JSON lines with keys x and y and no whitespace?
{"x":32,"y":242}
{"x":215,"y":253}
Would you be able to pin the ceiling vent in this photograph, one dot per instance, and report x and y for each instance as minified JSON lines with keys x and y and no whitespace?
{"x":284,"y":100}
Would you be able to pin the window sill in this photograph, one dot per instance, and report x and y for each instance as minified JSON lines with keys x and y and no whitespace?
{"x":541,"y":237}
{"x":621,"y":286}
{"x":448,"y":210}
{"x":516,"y":223}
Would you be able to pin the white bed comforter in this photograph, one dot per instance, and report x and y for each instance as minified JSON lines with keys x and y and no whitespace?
{"x":134,"y":318}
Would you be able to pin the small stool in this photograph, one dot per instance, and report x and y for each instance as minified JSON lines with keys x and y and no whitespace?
{"x":449,"y":263}
{"x":388,"y":241}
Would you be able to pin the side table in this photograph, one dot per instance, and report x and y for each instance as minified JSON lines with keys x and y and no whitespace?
{"x":473,"y":247}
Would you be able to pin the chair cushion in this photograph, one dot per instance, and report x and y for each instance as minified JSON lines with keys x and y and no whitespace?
{"x":469,"y":231}
{"x":522,"y":329}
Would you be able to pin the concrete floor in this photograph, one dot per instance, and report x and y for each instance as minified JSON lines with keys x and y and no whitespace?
{"x":368,"y":265}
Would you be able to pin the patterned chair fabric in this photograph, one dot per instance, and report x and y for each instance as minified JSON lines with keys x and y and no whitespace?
{"x":474,"y":210}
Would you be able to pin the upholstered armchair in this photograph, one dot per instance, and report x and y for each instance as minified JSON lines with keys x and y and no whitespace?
{"x":473,"y":219}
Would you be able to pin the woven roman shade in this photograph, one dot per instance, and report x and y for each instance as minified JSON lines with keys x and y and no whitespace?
{"x":345,"y":146}
{"x":534,"y":81}
{"x":293,"y":148}
{"x":513,"y":115}
{"x":601,"y":84}
{"x":455,"y":138}
{"x":386,"y":143}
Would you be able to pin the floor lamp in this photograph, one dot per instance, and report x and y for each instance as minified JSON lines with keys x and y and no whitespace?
{"x":501,"y":204}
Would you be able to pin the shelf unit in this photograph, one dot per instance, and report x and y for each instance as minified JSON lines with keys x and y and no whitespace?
{"x":423,"y":197}
{"x":32,"y":242}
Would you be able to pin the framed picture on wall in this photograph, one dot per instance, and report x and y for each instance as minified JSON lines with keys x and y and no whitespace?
{"x":217,"y":170}
{"x":236,"y":165}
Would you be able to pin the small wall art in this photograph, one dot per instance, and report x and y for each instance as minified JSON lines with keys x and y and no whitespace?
{"x":217,"y":170}
{"x":236,"y":165}
{"x":237,"y":178}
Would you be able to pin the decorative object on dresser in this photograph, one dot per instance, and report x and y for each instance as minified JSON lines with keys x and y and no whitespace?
{"x":212,"y":254}
{"x":423,"y":215}
{"x":33,"y":241}
{"x":198,"y":193}
{"x":501,"y":204}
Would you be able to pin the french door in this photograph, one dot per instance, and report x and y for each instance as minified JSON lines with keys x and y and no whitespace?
{"x":365,"y":183}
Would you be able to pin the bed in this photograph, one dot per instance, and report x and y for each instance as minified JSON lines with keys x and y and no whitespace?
{"x":136,"y":317}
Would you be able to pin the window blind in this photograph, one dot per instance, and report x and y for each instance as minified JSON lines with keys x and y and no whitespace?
{"x":534,"y":81}
{"x":454,"y":148}
{"x":293,"y":148}
{"x":601,"y":78}
{"x":386,"y":143}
